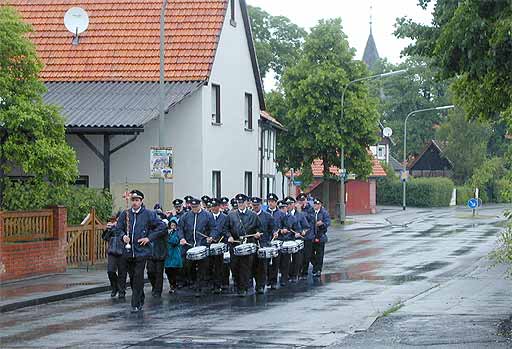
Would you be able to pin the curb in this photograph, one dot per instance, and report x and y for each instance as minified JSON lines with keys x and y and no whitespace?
{"x":53,"y":298}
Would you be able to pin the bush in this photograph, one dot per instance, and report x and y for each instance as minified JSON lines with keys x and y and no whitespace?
{"x":34,"y":195}
{"x":421,"y":192}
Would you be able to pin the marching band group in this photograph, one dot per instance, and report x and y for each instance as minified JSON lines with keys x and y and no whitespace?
{"x":202,"y":242}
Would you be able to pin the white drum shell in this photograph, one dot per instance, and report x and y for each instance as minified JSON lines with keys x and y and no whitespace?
{"x":197,"y":253}
{"x":245,"y":249}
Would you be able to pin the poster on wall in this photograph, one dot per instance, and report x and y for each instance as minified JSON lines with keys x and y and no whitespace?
{"x":161,"y":163}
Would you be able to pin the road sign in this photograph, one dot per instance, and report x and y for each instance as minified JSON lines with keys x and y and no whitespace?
{"x":473,"y":203}
{"x":297,"y":183}
{"x":404,"y":175}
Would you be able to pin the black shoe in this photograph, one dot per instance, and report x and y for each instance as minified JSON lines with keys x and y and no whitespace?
{"x":303,"y":277}
{"x":122,"y":295}
{"x":273,"y":287}
{"x":197,"y":294}
{"x":260,"y":290}
{"x":136,"y":309}
{"x":284,"y":284}
{"x":172,"y":290}
{"x":242,"y":293}
{"x":113,"y":293}
{"x":217,"y":290}
{"x":293,"y":280}
{"x":317,"y":274}
{"x":157,"y":295}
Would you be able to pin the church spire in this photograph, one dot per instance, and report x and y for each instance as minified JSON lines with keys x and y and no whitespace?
{"x":370,"y":55}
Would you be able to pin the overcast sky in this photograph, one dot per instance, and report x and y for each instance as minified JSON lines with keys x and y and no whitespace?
{"x":355,"y":15}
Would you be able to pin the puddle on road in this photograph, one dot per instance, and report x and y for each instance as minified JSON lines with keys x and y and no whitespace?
{"x":367,"y":252}
{"x":462,"y":251}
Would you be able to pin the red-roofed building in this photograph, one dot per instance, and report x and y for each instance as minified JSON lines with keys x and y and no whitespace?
{"x":107,"y":86}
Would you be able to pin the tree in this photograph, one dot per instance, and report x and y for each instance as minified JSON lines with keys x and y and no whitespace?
{"x":33,"y":134}
{"x":465,"y":144}
{"x":277,"y":41}
{"x":309,"y":104}
{"x":470,"y":41}
{"x":402,"y":94}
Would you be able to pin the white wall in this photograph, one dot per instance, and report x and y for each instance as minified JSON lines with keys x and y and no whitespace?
{"x":229,"y":148}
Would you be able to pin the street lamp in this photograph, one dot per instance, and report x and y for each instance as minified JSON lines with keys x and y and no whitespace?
{"x":161,"y":130}
{"x":405,"y":143}
{"x":342,"y":153}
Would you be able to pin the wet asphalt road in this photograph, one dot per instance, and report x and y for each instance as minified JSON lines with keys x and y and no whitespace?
{"x":371,"y":265}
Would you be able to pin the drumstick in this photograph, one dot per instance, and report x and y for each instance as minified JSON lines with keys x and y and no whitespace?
{"x":222,"y":237}
{"x":188,"y":244}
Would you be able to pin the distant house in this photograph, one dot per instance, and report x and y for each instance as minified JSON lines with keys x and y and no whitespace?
{"x":382,"y":149}
{"x":431,"y":162}
{"x":107,"y":86}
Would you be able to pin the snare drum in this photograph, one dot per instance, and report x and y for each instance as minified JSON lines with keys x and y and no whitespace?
{"x":197,"y":253}
{"x":267,"y":252}
{"x":245,"y":249}
{"x":289,"y":247}
{"x":277,"y":244}
{"x":218,"y":249}
{"x":227,"y":257}
{"x":300,"y":244}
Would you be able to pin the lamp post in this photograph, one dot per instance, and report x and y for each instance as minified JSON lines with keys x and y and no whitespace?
{"x":342,"y":152}
{"x":405,"y":143}
{"x":161,"y":130}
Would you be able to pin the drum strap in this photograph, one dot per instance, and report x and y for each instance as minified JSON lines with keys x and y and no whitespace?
{"x":241,"y":223}
{"x":195,"y":225}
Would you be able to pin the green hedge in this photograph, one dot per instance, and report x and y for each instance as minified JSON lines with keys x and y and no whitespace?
{"x":33,"y":195}
{"x":421,"y":192}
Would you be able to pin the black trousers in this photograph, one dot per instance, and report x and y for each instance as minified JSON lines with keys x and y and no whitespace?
{"x":296,"y":264}
{"x":113,"y":269}
{"x":217,"y":269}
{"x":197,"y":273}
{"x":284,"y":268}
{"x":317,"y":257}
{"x":226,"y":271}
{"x":155,"y":269}
{"x":242,"y":268}
{"x":172,"y":276}
{"x":273,"y":269}
{"x":308,"y":249}
{"x":259,"y":271}
{"x":135,"y":269}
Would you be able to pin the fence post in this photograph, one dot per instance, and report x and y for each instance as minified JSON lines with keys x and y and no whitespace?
{"x":92,"y":237}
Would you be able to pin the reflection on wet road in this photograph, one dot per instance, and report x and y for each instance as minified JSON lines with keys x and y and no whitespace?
{"x":368,"y":267}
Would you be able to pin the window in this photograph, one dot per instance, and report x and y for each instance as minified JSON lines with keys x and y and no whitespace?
{"x":269,"y":150}
{"x":216,"y":190}
{"x":381,"y":152}
{"x":82,"y":181}
{"x":216,"y":104}
{"x":248,"y":111}
{"x":274,"y":140}
{"x":269,"y":188}
{"x":248,"y":183}
{"x":232,"y":5}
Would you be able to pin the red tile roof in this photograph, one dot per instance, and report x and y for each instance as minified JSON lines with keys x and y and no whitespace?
{"x":318,"y":169}
{"x":122,"y":41}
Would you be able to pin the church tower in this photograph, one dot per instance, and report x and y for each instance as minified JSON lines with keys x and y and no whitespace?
{"x":370,"y":55}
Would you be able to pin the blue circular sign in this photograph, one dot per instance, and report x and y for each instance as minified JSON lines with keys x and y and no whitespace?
{"x":473,"y":203}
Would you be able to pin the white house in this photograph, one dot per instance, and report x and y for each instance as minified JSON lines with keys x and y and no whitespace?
{"x":107,"y":86}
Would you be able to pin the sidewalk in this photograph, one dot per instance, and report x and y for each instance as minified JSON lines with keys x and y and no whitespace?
{"x":51,"y":288}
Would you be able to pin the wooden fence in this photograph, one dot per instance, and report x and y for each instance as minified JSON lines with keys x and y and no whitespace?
{"x":84,"y":243}
{"x":28,"y":226}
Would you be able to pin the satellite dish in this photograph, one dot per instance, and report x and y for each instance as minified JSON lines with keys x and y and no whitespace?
{"x":387,"y":132}
{"x":76,"y":21}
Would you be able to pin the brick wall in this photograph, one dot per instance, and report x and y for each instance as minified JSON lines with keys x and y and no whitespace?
{"x":24,"y":259}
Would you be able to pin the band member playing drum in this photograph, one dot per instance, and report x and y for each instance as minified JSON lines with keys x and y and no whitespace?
{"x":307,"y":209}
{"x":289,"y":224}
{"x":196,"y":228}
{"x":260,"y":265}
{"x":298,"y":235}
{"x":278,"y":216}
{"x":220,"y":236}
{"x":137,"y":227}
{"x":321,"y":222}
{"x":224,"y":205}
{"x":244,"y":229}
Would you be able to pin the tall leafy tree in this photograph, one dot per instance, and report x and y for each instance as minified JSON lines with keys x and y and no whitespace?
{"x":32,"y":133}
{"x":464,"y":143}
{"x":471,"y":41}
{"x":277,"y":40}
{"x":309,"y":104}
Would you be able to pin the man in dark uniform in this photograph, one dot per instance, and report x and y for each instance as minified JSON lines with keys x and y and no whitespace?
{"x":178,"y":210}
{"x":321,"y":221}
{"x":188,"y":199}
{"x":242,"y":222}
{"x":260,"y":266}
{"x":205,"y":200}
{"x":224,"y":204}
{"x":217,"y":262}
{"x":196,"y":229}
{"x":234,"y":204}
{"x":308,"y":210}
{"x":278,"y":215}
{"x":289,"y":224}
{"x":137,"y":227}
{"x":155,"y":263}
{"x":303,"y":226}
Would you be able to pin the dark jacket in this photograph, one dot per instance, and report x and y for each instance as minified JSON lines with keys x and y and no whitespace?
{"x":303,"y":223}
{"x":291,"y":223}
{"x":204,"y":225}
{"x":220,"y":227}
{"x":268,"y":226}
{"x":143,"y":224}
{"x":278,"y":216}
{"x":240,"y":224}
{"x":320,"y":232}
{"x":173,"y":259}
{"x":109,"y":235}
